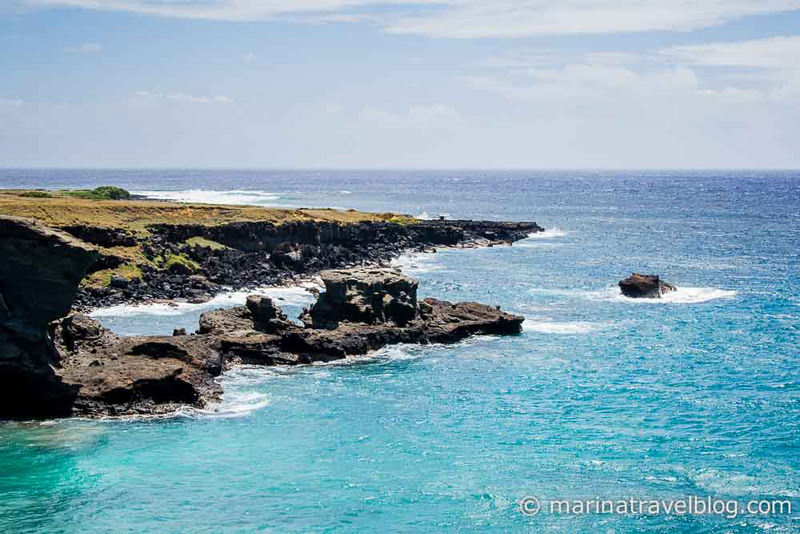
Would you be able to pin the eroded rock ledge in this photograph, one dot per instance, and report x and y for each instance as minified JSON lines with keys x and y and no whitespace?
{"x":360,"y":311}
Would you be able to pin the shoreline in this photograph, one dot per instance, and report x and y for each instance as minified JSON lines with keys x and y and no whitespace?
{"x":63,"y":363}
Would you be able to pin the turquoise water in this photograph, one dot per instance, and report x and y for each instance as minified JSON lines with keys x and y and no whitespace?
{"x":696,"y":395}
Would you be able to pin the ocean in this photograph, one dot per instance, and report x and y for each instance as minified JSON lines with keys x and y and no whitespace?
{"x":600,"y":398}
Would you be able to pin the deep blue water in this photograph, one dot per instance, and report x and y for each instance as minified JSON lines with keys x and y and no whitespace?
{"x":696,"y":395}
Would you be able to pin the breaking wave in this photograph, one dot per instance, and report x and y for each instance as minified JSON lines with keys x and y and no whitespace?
{"x":199,"y":196}
{"x":299,"y":295}
{"x":684,"y":295}
{"x":547,"y":234}
{"x":555,"y":327}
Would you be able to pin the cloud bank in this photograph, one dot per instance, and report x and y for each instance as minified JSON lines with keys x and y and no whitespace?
{"x":463,"y":18}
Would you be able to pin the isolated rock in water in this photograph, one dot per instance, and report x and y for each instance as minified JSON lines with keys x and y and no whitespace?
{"x":368,"y":295}
{"x":645,"y":286}
{"x":39,"y":275}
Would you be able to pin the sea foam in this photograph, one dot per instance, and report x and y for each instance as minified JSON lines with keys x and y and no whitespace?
{"x":298,"y":295}
{"x":199,"y":196}
{"x":556,"y":327}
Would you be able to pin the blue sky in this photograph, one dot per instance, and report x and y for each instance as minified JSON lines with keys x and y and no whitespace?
{"x":400,"y":84}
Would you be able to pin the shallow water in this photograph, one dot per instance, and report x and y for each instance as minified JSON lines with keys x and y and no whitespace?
{"x":694,"y":395}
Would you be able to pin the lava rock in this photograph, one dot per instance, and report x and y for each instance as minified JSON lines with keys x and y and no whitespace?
{"x":119,"y":282}
{"x":368,"y":295}
{"x":645,"y":286}
{"x":39,"y":276}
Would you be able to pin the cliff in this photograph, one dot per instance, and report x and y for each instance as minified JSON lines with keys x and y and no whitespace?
{"x":39,"y":275}
{"x":149,"y":250}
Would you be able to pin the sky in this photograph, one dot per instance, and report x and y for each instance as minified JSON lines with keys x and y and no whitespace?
{"x":453,"y":84}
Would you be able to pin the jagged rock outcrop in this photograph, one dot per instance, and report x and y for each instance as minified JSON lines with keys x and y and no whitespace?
{"x":116,"y":376}
{"x":368,"y":295}
{"x":39,"y":275}
{"x":645,"y":286}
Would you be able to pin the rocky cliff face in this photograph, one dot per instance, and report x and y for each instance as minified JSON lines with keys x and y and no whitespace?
{"x":39,"y":274}
{"x":259,"y":253}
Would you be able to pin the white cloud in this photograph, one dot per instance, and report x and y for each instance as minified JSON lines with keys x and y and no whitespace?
{"x":465,"y":18}
{"x":84,"y":48}
{"x":249,"y":57}
{"x":9,"y":104}
{"x":520,"y":18}
{"x":185,"y":97}
{"x":781,"y":53}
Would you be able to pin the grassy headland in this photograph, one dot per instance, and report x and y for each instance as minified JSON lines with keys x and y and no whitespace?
{"x":111,"y":207}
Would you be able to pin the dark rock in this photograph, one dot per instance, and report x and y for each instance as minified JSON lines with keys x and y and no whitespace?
{"x":371,"y":296}
{"x":267,"y":317}
{"x":226,"y":321}
{"x":116,"y":376}
{"x":39,"y":275}
{"x":119,"y":282}
{"x":261,"y":253}
{"x":645,"y":286}
{"x":104,"y":237}
{"x":179,"y":332}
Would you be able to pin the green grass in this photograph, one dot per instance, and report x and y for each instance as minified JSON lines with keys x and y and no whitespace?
{"x":103,"y":278}
{"x":205,"y":243}
{"x":179,"y":262}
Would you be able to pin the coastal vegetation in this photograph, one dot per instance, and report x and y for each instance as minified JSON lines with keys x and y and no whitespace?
{"x":114,"y":208}
{"x":104,"y":192}
{"x":98,"y":207}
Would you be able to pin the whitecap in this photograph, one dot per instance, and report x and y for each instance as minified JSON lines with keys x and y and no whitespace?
{"x":299,"y":295}
{"x":242,"y":393}
{"x":727,"y":483}
{"x":549,"y":233}
{"x":556,"y":327}
{"x":416,"y":263}
{"x":694,"y":295}
{"x":203,"y":196}
{"x":683,"y":295}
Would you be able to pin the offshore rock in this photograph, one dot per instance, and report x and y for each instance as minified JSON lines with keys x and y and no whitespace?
{"x":39,"y":275}
{"x":645,"y":286}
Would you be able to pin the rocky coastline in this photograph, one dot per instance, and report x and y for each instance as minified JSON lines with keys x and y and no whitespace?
{"x":57,"y":362}
{"x":253,"y":254}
